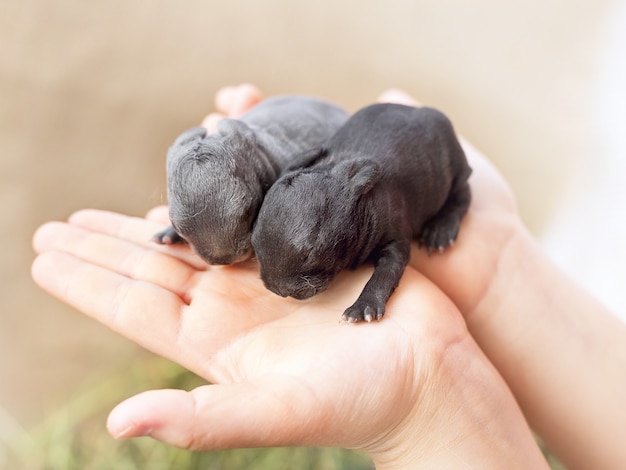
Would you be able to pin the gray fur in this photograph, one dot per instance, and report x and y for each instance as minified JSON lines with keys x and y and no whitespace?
{"x":217,"y":182}
{"x":392,"y":173}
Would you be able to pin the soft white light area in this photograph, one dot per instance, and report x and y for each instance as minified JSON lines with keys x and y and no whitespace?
{"x":588,"y":237}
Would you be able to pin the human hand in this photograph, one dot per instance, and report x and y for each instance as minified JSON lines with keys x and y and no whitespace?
{"x":232,"y":102}
{"x":522,"y":309}
{"x":285,"y":372}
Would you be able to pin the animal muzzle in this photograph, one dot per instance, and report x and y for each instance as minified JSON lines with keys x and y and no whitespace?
{"x":297,"y":291}
{"x":225,"y":259}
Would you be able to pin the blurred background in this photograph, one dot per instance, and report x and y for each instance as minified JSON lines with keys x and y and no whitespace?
{"x":93,"y":93}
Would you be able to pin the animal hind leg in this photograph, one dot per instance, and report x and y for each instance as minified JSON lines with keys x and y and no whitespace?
{"x":442,"y":229}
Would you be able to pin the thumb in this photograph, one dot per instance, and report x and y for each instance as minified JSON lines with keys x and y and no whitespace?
{"x":215,"y":417}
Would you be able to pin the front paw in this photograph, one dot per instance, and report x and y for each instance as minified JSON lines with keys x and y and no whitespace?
{"x":364,"y":310}
{"x":169,"y":236}
{"x":438,"y":236}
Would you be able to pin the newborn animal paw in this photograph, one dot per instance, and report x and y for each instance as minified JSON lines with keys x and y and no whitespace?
{"x":437,"y":236}
{"x":363,"y":310}
{"x":169,"y":236}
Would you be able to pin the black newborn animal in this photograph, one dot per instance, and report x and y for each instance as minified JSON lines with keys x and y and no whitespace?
{"x":216,"y":182}
{"x":391,"y":173}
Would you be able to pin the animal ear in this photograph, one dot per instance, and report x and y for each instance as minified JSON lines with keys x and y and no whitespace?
{"x":183,"y":146}
{"x":305,"y":159}
{"x":234,"y":127}
{"x":362,"y":174}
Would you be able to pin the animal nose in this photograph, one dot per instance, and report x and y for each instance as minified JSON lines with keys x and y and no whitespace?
{"x":212,"y":258}
{"x":221,"y":260}
{"x":280,"y":290}
{"x":243,"y":255}
{"x":290,"y":289}
{"x":303,"y":293}
{"x":223,"y":257}
{"x":283,"y":290}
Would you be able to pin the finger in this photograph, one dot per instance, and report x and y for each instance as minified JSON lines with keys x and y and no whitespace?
{"x":159,"y":215}
{"x":133,"y":229}
{"x":141,"y":311}
{"x":215,"y":417}
{"x":129,"y":228}
{"x":394,"y":95}
{"x":117,"y":255}
{"x":235,"y":101}
{"x":211,"y":120}
{"x":187,"y":328}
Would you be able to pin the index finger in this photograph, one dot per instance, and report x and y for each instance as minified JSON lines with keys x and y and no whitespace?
{"x":139,"y":310}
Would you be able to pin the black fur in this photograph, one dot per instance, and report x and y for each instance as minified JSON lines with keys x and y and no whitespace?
{"x":392,"y":173}
{"x":216,"y":182}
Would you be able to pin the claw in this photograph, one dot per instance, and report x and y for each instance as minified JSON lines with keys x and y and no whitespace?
{"x":368,"y":314}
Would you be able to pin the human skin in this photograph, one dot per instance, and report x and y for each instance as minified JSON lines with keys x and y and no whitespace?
{"x":414,"y":389}
{"x":561,"y":352}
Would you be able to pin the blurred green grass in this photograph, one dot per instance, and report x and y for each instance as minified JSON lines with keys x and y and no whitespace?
{"x":74,"y":436}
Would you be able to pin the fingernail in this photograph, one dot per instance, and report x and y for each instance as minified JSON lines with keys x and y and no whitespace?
{"x":123,"y":434}
{"x":129,"y":432}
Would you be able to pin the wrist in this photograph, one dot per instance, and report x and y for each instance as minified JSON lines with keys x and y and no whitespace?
{"x":518,"y":258}
{"x":475,"y":423}
{"x":536,"y":316}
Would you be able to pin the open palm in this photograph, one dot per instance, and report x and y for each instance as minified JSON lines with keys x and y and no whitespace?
{"x":283,"y":372}
{"x":286,"y":371}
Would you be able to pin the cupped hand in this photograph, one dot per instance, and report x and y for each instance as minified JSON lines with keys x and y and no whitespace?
{"x":284,"y":372}
{"x":287,"y":372}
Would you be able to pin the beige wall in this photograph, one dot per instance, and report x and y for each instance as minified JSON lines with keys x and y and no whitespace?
{"x":92,"y":93}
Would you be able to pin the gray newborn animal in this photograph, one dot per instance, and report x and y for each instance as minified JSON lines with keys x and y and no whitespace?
{"x":390,"y":174}
{"x":216,"y":182}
